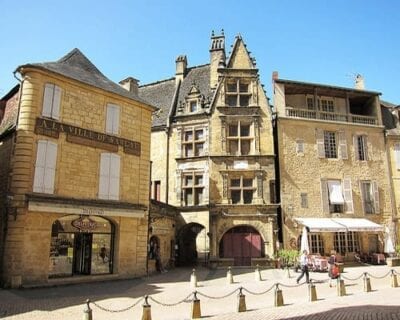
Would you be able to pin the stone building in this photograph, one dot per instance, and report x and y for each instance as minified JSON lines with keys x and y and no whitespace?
{"x":74,"y":185}
{"x":333,"y":168}
{"x":213,"y":158}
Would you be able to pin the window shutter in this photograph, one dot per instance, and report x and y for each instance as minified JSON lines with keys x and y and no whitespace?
{"x":348,"y":196}
{"x":356,"y":147}
{"x":40,"y":165}
{"x":115,"y":129}
{"x":109,"y":119}
{"x":55,"y":112}
{"x":324,"y":196}
{"x":320,"y":143}
{"x":397,"y":155}
{"x":299,"y":146}
{"x":342,"y":145}
{"x":362,"y":194}
{"x":50,"y":167}
{"x":365,"y":140}
{"x":48,"y":99}
{"x":376,"y":196}
{"x":104,"y":179}
{"x":114,"y":177}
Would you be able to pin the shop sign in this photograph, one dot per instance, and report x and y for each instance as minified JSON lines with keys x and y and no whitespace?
{"x":84,"y":224}
{"x":92,"y":211}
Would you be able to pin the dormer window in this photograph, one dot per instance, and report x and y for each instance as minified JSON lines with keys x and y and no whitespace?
{"x":237,"y":93}
{"x":193,"y":106}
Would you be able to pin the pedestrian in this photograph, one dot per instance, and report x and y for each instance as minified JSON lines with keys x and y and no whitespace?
{"x":304,"y":267}
{"x":333,"y":269}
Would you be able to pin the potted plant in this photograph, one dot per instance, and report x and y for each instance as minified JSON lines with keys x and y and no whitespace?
{"x":288,"y":258}
{"x":394,"y":261}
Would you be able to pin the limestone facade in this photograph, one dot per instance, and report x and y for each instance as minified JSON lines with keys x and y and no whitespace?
{"x":332,"y":165}
{"x":78,"y":192}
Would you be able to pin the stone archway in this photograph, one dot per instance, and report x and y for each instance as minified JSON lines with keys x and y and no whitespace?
{"x":189,"y":244}
{"x":241,"y":243}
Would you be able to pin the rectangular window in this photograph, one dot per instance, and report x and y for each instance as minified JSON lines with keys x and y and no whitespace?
{"x":193,"y":143}
{"x":310,"y":103}
{"x":346,"y":242}
{"x":330,"y":144}
{"x":237,"y":93}
{"x":112,"y":119}
{"x":304,"y":200}
{"x":368,"y":196}
{"x":109,"y":181}
{"x":316,"y":243}
{"x":157,"y":190}
{"x":361,"y":148}
{"x":327,"y":105}
{"x":272,"y":191}
{"x":299,"y":146}
{"x":336,"y":199}
{"x":241,"y":190}
{"x":45,"y":167}
{"x":193,"y":106}
{"x":397,"y":155}
{"x":51,"y":101}
{"x":240,"y":138}
{"x":192,"y":188}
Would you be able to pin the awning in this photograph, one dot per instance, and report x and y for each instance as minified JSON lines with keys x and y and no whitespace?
{"x":339,"y":224}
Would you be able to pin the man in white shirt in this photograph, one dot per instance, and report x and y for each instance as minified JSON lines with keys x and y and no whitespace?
{"x":304,"y":267}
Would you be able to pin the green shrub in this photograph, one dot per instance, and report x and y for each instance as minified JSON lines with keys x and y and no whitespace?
{"x":288,"y":257}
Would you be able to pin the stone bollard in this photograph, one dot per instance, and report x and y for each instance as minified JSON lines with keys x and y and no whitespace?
{"x":257,"y":274}
{"x":393,"y":280}
{"x":87,"y":312}
{"x":229,"y":276}
{"x":312,"y":292}
{"x":278,"y":296}
{"x":193,"y":279}
{"x":146,"y":315}
{"x":196,"y":312}
{"x":367,"y":283}
{"x":241,"y":307}
{"x":341,"y":289}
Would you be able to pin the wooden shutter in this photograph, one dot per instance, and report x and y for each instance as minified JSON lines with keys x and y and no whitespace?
{"x":109,"y":119}
{"x":362,"y":194}
{"x":48,"y":99}
{"x":348,"y":195}
{"x":376,"y":196}
{"x":365,"y":141}
{"x":320,"y":143}
{"x":115,"y":129}
{"x":342,"y":145}
{"x":55,"y":111}
{"x":104,"y":179}
{"x":324,"y":196}
{"x":397,"y":155}
{"x":114,"y":177}
{"x":300,"y":146}
{"x":356,"y":147}
{"x":50,"y":167}
{"x":40,"y":165}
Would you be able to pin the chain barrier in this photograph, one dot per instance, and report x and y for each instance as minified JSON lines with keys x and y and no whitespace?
{"x":395,"y":272}
{"x":117,"y":311}
{"x":164,"y":304}
{"x":259,"y":293}
{"x":217,"y":298}
{"x":351,"y":279}
{"x":378,"y":277}
{"x":291,"y":285}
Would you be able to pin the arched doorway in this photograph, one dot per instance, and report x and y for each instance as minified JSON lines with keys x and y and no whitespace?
{"x":241,"y":243}
{"x":192,"y":245}
{"x":81,"y":245}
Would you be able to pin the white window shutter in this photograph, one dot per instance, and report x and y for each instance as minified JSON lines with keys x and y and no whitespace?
{"x":376,"y":196}
{"x":320,"y":143}
{"x":397,"y":155}
{"x":38,"y":180}
{"x":104,"y":179}
{"x":342,"y":145}
{"x":109,"y":119}
{"x":115,"y":120}
{"x":355,"y":144}
{"x":324,"y":196}
{"x":50,"y":167}
{"x":56,"y":103}
{"x":348,"y":195}
{"x":366,"y":148}
{"x":362,"y":194}
{"x":114,"y":177}
{"x":299,"y":146}
{"x":48,"y":99}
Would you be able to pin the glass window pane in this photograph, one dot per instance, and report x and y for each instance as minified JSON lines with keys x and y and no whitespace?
{"x":247,"y":182}
{"x":244,"y":101}
{"x":188,"y":135}
{"x":247,"y":196}
{"x":199,"y":134}
{"x":244,"y":130}
{"x":231,"y":100}
{"x":235,"y":196}
{"x":235,"y":182}
{"x":233,"y":130}
{"x":188,"y":197}
{"x":199,"y":180}
{"x":101,"y":254}
{"x":193,"y":106}
{"x":231,"y":86}
{"x":198,"y":149}
{"x":188,"y":181}
{"x":189,"y":150}
{"x":233,"y":147}
{"x":245,"y":147}
{"x":61,"y":254}
{"x":244,"y":87}
{"x":198,"y":196}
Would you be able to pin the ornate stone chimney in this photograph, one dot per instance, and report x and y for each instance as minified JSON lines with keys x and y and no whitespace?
{"x":181,"y":65}
{"x":130,"y":84}
{"x":217,"y":56}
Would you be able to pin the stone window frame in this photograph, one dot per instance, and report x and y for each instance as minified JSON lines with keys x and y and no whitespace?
{"x":370,"y":197}
{"x":346,"y":190}
{"x":234,"y":92}
{"x":239,"y":137}
{"x":194,"y":143}
{"x":194,"y":188}
{"x":242,"y":187}
{"x":331,"y":144}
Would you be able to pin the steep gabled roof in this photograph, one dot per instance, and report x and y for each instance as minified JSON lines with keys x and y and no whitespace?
{"x":239,"y":49}
{"x":76,"y":66}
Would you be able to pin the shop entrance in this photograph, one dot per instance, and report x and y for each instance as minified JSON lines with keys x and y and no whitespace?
{"x":83,"y":253}
{"x":192,"y":244}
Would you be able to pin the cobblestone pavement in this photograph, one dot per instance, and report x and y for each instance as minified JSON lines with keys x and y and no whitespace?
{"x":67,"y":302}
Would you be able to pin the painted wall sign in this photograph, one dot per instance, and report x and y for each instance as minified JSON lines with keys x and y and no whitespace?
{"x":86,"y":137}
{"x":84,"y":224}
{"x":92,"y":211}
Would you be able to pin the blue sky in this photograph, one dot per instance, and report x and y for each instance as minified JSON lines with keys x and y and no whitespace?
{"x":311,"y":40}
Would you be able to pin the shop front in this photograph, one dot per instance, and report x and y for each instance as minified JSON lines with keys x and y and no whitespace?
{"x":81,"y":245}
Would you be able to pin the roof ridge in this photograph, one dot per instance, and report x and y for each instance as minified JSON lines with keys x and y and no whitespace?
{"x":156,"y":82}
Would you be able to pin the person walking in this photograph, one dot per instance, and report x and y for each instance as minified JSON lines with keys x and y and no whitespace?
{"x":304,"y":267}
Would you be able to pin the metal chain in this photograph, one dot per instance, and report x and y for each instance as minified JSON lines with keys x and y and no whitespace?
{"x":291,"y":285}
{"x":259,"y":293}
{"x":172,"y":304}
{"x":377,"y":277}
{"x":221,"y":297}
{"x":116,"y":311}
{"x":351,"y":279}
{"x":395,"y":272}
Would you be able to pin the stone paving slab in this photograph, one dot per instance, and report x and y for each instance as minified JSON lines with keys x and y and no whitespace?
{"x":67,"y":302}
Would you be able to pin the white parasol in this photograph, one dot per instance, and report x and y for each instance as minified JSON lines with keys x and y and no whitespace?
{"x":304,"y":241}
{"x":389,"y":247}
